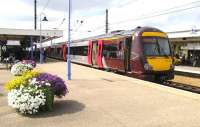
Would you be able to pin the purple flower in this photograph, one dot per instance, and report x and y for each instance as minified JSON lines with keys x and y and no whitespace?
{"x":57,"y":84}
{"x":31,"y":62}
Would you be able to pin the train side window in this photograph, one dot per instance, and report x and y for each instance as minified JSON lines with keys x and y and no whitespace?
{"x":112,"y":50}
{"x":85,"y":50}
{"x":81,"y":50}
{"x":71,"y":51}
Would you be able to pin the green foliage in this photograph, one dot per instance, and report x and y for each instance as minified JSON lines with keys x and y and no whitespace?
{"x":49,"y":99}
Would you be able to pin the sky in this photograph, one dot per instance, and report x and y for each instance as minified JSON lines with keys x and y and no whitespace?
{"x":167,"y":15}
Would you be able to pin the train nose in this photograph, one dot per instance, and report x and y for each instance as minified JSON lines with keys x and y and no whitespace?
{"x":160,"y":63}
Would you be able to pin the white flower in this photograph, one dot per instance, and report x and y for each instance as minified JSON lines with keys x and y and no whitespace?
{"x":19,"y":68}
{"x":47,"y":84}
{"x":24,"y":101}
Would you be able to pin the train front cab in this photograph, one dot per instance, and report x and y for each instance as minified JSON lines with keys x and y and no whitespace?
{"x":151,"y":57}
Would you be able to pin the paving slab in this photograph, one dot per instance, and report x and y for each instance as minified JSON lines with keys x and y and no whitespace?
{"x":103,"y":99}
{"x":5,"y":75}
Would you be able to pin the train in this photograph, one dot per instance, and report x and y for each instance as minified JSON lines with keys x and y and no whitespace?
{"x":144,"y":53}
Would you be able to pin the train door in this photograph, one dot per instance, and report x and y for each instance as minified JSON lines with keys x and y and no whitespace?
{"x":99,"y":54}
{"x":127,"y":54}
{"x":94,"y":53}
{"x":113,"y":52}
{"x":89,"y":52}
{"x":64,"y":52}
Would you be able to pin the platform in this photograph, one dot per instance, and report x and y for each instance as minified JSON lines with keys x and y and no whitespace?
{"x":104,"y":99}
{"x":188,"y":71}
{"x":5,"y":75}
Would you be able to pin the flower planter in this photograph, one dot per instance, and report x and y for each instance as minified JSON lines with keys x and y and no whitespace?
{"x":34,"y":92}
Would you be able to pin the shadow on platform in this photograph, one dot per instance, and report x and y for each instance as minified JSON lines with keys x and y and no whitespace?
{"x":62,"y":107}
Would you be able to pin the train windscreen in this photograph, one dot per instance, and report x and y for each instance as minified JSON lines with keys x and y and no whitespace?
{"x":156,"y":46}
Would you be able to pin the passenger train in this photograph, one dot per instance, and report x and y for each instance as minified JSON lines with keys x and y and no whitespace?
{"x":143,"y":53}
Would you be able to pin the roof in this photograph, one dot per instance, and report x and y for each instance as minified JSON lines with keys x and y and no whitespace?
{"x":185,"y":35}
{"x":20,"y":34}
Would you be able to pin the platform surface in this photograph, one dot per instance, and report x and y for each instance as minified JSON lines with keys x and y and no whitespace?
{"x":102,"y":99}
{"x":189,"y":69}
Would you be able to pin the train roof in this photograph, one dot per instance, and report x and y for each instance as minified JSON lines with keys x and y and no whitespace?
{"x":118,"y":34}
{"x":113,"y":35}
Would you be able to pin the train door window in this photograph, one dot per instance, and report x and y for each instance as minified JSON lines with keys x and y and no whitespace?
{"x":105,"y":51}
{"x":94,"y":52}
{"x":121,"y":50}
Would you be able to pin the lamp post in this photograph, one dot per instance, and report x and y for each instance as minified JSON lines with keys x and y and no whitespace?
{"x":41,"y":51}
{"x":68,"y":43}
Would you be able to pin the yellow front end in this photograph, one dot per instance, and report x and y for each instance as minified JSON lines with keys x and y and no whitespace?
{"x":160,"y":63}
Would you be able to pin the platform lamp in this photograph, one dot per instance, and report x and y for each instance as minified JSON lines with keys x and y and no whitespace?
{"x":41,"y":51}
{"x":68,"y":42}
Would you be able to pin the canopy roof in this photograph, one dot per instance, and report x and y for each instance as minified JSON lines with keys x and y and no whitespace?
{"x":23,"y":34}
{"x":185,"y":36}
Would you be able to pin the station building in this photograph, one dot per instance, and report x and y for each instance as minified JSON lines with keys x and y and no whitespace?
{"x":186,"y":45}
{"x":20,"y":43}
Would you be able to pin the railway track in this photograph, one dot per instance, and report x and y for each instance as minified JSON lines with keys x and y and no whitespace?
{"x":186,"y":87}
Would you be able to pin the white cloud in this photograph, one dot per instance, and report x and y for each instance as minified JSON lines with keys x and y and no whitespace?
{"x":124,"y":14}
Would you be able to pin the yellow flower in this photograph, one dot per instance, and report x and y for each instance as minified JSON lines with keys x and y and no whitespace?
{"x":21,"y":80}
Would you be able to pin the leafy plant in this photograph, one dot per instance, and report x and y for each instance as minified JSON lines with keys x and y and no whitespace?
{"x":49,"y":99}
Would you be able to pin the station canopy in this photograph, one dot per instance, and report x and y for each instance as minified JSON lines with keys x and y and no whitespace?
{"x":185,"y":36}
{"x":26,"y":35}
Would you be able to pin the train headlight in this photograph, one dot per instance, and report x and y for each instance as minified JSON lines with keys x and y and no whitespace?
{"x":172,"y":67}
{"x":148,"y":67}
